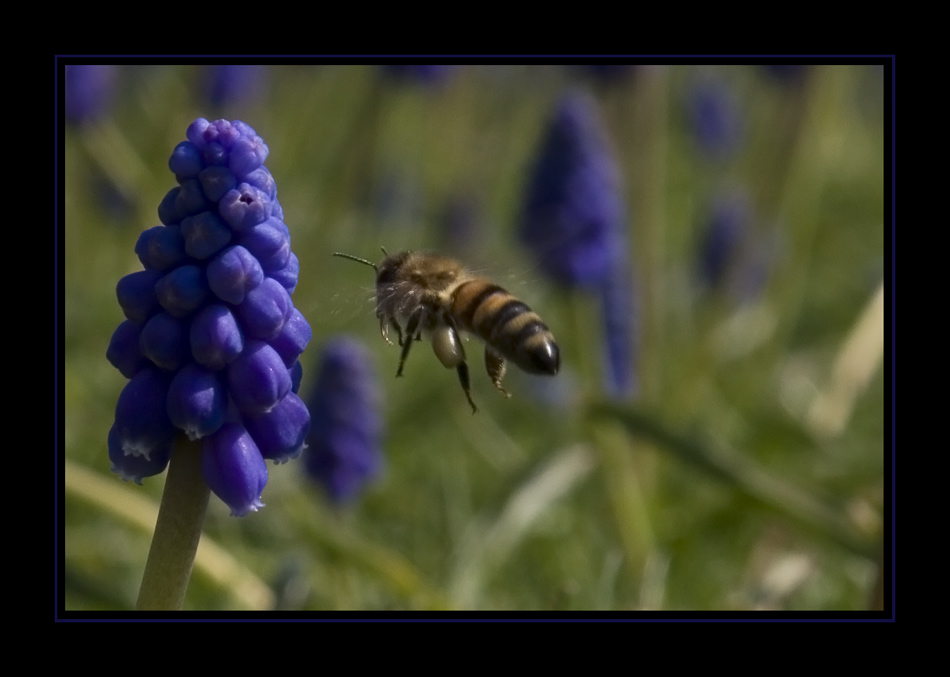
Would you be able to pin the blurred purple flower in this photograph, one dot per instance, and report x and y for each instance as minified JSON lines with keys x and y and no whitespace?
{"x":343,"y":447}
{"x":574,"y":225}
{"x":734,"y":258}
{"x":232,"y":84}
{"x":726,"y":229}
{"x":716,"y":120}
{"x":428,"y":74}
{"x":89,"y":91}
{"x":572,"y":218}
{"x":785,"y":72}
{"x":610,"y":73}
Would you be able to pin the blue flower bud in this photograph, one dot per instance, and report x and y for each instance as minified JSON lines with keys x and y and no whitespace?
{"x":216,"y":338}
{"x":281,"y":433}
{"x":233,"y":467}
{"x":276,"y":211}
{"x":136,"y":467}
{"x":346,"y":426}
{"x":161,"y":248}
{"x":293,"y":338}
{"x":185,"y":161}
{"x":245,"y":207}
{"x":233,"y":273}
{"x":244,"y":129}
{"x":205,"y":235}
{"x":196,"y":130}
{"x":168,"y":207}
{"x":141,"y":422}
{"x":247,"y":154}
{"x":124,"y":352}
{"x":191,"y":199}
{"x":182,"y":291}
{"x":197,"y":401}
{"x":220,"y":133}
{"x":216,"y":181}
{"x":265,"y":310}
{"x":296,"y":376}
{"x":164,"y":340}
{"x":262,"y":179}
{"x":214,"y":154}
{"x":136,"y":294}
{"x":288,"y":275}
{"x":257,"y":378}
{"x":269,"y":242}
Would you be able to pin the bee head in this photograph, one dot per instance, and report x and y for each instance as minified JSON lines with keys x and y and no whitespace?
{"x":388,"y":267}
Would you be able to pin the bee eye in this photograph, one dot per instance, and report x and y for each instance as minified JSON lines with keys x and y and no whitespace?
{"x":446,"y":346}
{"x":386,"y":275}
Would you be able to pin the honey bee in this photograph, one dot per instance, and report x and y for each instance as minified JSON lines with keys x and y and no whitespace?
{"x":436,"y":295}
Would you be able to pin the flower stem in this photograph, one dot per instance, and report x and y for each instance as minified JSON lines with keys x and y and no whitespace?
{"x":177,"y":531}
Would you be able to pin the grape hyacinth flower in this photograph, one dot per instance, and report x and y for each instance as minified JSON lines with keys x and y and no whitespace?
{"x":609,"y":73}
{"x":211,"y":336}
{"x":733,"y":258}
{"x":715,"y":117}
{"x":787,"y":73}
{"x":343,"y":448}
{"x":573,"y":223}
{"x":89,"y":90}
{"x":573,"y":217}
{"x":427,"y":74}
{"x":229,"y":84}
{"x":726,"y":228}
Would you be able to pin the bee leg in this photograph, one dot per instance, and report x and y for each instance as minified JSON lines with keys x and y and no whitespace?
{"x":384,"y":330}
{"x":495,"y":366}
{"x":398,"y":329}
{"x":412,"y":328}
{"x":462,"y":370}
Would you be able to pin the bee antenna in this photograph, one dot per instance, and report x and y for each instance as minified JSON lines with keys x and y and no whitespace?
{"x":385,"y":253}
{"x":356,"y":258}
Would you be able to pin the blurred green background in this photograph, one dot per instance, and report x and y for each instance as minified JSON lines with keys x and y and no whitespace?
{"x":746,"y":473}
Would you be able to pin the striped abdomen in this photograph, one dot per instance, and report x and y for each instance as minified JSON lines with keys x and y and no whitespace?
{"x":506,"y":324}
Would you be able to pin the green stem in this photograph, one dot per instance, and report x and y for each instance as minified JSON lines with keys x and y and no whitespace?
{"x":622,"y":477}
{"x":177,"y":531}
